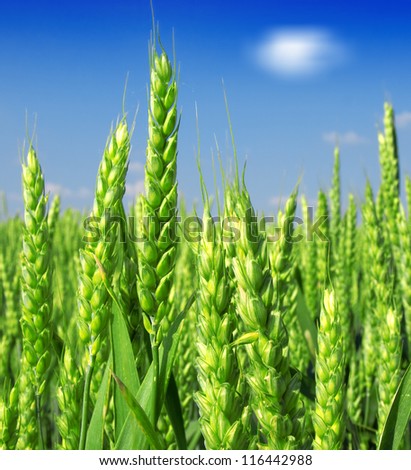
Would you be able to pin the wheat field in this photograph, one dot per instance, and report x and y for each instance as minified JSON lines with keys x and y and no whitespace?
{"x":157,"y":326}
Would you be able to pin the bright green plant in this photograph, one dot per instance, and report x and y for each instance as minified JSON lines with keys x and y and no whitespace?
{"x":98,"y":258}
{"x":329,"y":414}
{"x":274,"y":387}
{"x":223,"y":416}
{"x":241,"y":337}
{"x":36,"y":289}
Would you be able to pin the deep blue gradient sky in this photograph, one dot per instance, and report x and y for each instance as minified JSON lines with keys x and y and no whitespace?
{"x":64,"y":65}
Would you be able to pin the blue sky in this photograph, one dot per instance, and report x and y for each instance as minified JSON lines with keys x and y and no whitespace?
{"x":298,"y":75}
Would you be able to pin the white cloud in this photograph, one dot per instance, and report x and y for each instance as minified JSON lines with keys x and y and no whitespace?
{"x":134,"y":189}
{"x":349,"y":138}
{"x":403,"y":119}
{"x":15,"y":197}
{"x":280,"y":201}
{"x":277,"y":200}
{"x":135,"y":167}
{"x":79,"y":193}
{"x":299,"y":51}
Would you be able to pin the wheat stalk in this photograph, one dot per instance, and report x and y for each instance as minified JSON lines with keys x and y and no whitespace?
{"x":223,"y":417}
{"x":98,"y":258}
{"x":36,"y":290}
{"x":328,"y":417}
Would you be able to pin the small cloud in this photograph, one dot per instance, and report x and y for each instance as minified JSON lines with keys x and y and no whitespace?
{"x":14,"y":197}
{"x":403,"y":119}
{"x":348,"y":138}
{"x":55,"y":188}
{"x":82,"y":193}
{"x":277,"y":200}
{"x":79,"y":193}
{"x":134,"y":189}
{"x":135,"y":167}
{"x":299,"y":51}
{"x":309,"y":201}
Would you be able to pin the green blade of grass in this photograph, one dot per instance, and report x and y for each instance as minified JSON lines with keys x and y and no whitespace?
{"x":168,"y":350}
{"x":399,"y":415}
{"x":123,"y":366}
{"x":175,"y":413}
{"x":194,"y":436}
{"x":155,"y":440}
{"x":95,"y":431}
{"x":128,"y":439}
{"x":307,"y":325}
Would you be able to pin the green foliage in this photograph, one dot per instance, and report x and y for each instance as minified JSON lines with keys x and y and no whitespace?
{"x":329,"y":414}
{"x":242,"y":338}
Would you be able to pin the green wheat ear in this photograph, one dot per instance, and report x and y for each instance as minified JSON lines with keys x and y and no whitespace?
{"x":36,"y":290}
{"x":275,"y":389}
{"x":335,"y":206}
{"x":36,"y":274}
{"x":323,"y":245}
{"x":98,"y":260}
{"x":408,"y":196}
{"x":53,"y":215}
{"x":405,"y":274}
{"x":28,"y":425}
{"x":157,"y":251}
{"x":9,"y":417}
{"x":223,"y":415}
{"x":389,"y":372}
{"x":308,"y":254}
{"x":329,"y":415}
{"x":69,"y":401}
{"x":98,"y":257}
{"x":389,"y":163}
